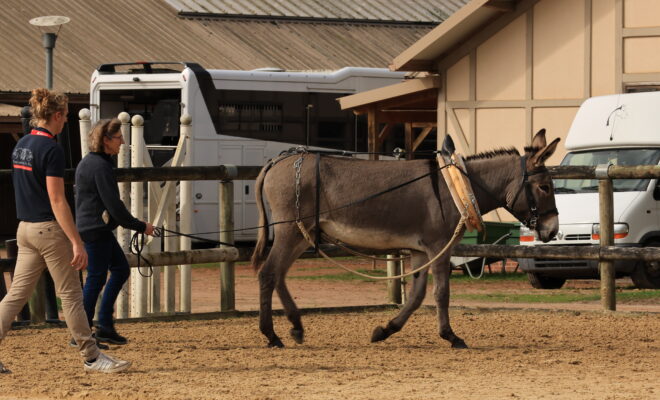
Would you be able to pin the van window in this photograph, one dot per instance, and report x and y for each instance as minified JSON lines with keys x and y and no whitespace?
{"x":625,"y":157}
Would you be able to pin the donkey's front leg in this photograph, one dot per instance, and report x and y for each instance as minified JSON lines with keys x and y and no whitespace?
{"x":441,"y":274}
{"x":417,"y":294}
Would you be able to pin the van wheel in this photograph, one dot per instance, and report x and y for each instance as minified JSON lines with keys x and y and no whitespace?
{"x":545,"y":282}
{"x":647,"y":273}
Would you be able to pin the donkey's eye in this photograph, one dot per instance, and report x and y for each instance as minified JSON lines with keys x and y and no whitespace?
{"x":544,"y":188}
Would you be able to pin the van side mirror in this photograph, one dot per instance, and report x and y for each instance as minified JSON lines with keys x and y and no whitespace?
{"x":656,"y":191}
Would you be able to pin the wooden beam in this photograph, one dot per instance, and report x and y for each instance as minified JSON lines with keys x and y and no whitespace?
{"x":425,"y":132}
{"x":372,"y":138}
{"x":409,"y":141}
{"x":402,"y":116}
{"x":417,"y":100}
{"x":501,"y":5}
{"x":423,"y":124}
{"x":384,"y":133}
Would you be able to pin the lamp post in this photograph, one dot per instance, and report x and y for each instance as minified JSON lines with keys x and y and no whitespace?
{"x":43,"y":302}
{"x":50,"y":26}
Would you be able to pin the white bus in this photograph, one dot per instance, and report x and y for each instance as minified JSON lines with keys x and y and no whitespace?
{"x":238,"y":117}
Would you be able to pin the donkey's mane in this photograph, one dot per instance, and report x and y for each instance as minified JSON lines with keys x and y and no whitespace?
{"x":493,"y":154}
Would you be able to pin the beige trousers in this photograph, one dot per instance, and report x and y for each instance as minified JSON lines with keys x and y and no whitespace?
{"x":44,"y":245}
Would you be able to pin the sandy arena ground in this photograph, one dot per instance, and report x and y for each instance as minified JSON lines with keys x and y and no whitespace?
{"x":582,"y":353}
{"x":513,"y":355}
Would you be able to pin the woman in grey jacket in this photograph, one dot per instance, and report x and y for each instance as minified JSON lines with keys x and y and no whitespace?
{"x":97,"y":192}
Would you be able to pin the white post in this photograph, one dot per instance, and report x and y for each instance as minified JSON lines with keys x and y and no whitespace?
{"x":138,"y":281}
{"x":186,"y":205}
{"x":85,"y":127}
{"x":171,"y":244}
{"x":124,"y":235}
{"x":154,"y":247}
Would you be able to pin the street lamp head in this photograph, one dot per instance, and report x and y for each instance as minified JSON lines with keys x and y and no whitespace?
{"x":50,"y":20}
{"x":50,"y":27}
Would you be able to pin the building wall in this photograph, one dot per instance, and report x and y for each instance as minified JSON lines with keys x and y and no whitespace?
{"x":533,"y":67}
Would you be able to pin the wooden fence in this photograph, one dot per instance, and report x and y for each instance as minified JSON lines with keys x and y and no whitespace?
{"x":146,"y":291}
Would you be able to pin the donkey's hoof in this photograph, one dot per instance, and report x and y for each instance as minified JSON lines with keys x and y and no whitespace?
{"x":458,"y":344}
{"x":379,"y":335}
{"x":298,"y":335}
{"x":276,"y":343}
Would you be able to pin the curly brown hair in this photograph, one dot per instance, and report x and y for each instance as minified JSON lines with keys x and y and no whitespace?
{"x":104,"y":128}
{"x":45,"y":103}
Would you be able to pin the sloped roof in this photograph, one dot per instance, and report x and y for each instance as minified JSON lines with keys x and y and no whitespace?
{"x":152,"y":30}
{"x":455,"y":30}
{"x":369,"y":10}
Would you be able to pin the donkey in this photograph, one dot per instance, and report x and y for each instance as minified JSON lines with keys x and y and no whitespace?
{"x":419,"y":216}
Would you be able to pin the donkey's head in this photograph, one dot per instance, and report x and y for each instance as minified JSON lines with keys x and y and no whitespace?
{"x":533,"y":201}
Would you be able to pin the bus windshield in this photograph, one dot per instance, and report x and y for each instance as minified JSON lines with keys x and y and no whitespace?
{"x":625,"y":157}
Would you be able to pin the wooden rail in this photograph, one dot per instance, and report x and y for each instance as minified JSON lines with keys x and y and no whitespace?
{"x":222,"y":172}
{"x":605,"y":253}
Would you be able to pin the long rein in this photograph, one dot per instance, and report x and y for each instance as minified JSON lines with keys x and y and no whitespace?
{"x":306,"y":235}
{"x":137,"y":242}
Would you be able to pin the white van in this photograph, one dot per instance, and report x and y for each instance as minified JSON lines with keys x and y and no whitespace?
{"x":619,"y":129}
{"x":238,"y":117}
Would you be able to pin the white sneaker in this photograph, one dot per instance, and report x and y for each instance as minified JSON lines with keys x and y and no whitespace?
{"x":107,"y":364}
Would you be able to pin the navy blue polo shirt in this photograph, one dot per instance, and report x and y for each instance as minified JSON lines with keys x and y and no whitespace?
{"x":35,"y":157}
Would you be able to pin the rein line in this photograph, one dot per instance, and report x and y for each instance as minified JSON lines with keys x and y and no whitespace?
{"x":457,"y":233}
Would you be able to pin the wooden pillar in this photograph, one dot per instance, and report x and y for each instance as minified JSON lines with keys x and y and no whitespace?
{"x":409,"y":140}
{"x":606,"y":267}
{"x":227,"y":278}
{"x":393,"y":285}
{"x":372,"y":139}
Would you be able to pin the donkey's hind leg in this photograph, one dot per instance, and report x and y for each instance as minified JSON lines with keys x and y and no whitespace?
{"x":417,"y":294}
{"x":290,"y":309}
{"x":288,"y":245}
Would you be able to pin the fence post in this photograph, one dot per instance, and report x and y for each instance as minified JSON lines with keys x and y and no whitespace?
{"x":85,"y":124}
{"x":153,"y":282}
{"x":227,"y":278}
{"x":185,"y":223}
{"x":171,"y":244}
{"x":606,"y":267}
{"x":138,"y":281}
{"x":393,"y":285}
{"x":123,"y":235}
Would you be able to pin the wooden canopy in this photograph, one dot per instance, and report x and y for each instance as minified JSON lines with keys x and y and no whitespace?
{"x":412,"y":103}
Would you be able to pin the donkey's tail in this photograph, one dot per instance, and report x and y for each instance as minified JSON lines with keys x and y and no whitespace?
{"x":259,"y":254}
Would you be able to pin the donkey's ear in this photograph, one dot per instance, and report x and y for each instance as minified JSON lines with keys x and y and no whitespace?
{"x":541,"y":156}
{"x":539,"y":139}
{"x":448,"y":145}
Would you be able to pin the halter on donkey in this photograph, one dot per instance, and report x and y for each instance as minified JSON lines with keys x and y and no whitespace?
{"x":419,"y":216}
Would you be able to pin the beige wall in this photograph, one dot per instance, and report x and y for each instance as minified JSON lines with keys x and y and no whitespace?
{"x":458,"y":80}
{"x":501,"y":64}
{"x":641,"y":13}
{"x":641,"y":55}
{"x":556,"y":121}
{"x":558,"y":54}
{"x":603,"y":48}
{"x":495,"y":124}
{"x":534,"y":70}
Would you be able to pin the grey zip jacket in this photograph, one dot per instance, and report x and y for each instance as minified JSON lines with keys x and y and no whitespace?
{"x":96,"y":191}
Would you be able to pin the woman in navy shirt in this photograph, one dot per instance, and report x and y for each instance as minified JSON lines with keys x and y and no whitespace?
{"x":47,"y":236}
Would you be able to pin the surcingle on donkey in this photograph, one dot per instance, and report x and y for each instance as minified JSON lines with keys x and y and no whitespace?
{"x":419,"y":216}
